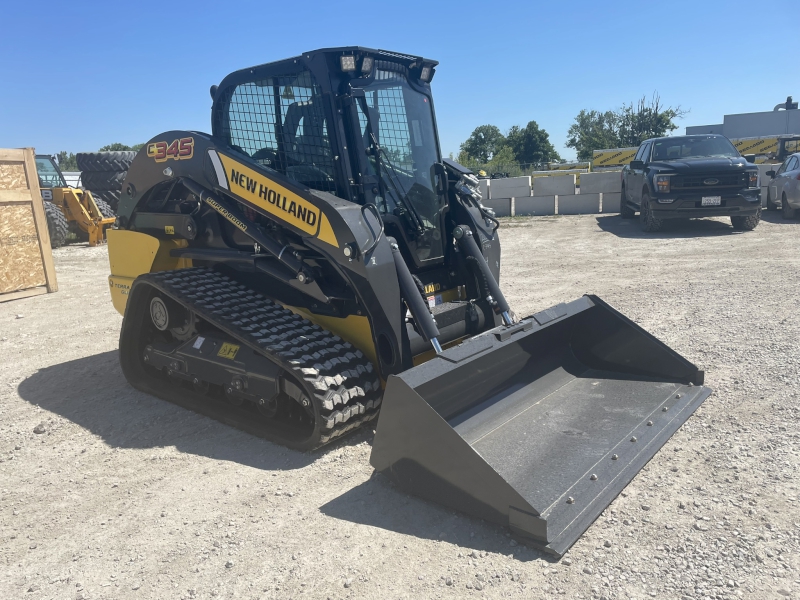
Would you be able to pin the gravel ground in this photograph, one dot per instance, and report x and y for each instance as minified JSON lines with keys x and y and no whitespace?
{"x":109,"y":493}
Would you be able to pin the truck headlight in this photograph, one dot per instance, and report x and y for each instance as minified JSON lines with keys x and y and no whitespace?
{"x":753,"y":178}
{"x":662,"y":183}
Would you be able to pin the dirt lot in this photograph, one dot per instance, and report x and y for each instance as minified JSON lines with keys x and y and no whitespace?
{"x":127,"y":496}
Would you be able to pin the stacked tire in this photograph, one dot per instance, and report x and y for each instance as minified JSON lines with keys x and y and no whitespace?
{"x":102,"y":173}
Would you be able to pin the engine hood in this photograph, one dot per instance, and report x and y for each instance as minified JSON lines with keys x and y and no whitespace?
{"x":693,"y":165}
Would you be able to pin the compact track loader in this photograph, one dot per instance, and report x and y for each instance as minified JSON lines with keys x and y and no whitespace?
{"x":315,"y":261}
{"x":84,"y":215}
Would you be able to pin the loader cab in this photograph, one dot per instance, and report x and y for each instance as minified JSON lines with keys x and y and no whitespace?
{"x":50,"y":175}
{"x":353,"y":122}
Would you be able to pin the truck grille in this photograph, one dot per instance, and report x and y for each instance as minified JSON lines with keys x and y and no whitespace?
{"x":732,"y":180}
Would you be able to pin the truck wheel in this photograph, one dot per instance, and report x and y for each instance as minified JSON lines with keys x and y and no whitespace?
{"x":57,"y":225}
{"x":746,"y":223}
{"x":104,"y":208}
{"x":787,"y":212}
{"x":110,"y":196}
{"x":770,"y":204}
{"x":103,"y":180}
{"x":647,"y":220}
{"x":625,"y":211}
{"x":104,"y":161}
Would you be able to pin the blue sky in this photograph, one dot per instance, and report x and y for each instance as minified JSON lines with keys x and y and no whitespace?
{"x":78,"y":75}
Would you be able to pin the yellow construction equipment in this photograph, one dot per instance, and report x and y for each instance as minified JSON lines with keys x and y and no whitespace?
{"x":86,"y":216}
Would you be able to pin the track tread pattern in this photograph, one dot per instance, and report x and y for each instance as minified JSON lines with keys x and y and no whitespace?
{"x":341,"y":379}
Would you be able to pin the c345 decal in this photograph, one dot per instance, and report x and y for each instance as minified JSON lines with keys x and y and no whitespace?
{"x":181,"y":149}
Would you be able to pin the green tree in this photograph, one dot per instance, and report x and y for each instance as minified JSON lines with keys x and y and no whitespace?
{"x":116,"y":147}
{"x":502,"y":160}
{"x":483,"y":143}
{"x":625,"y":127}
{"x":530,"y":144}
{"x":593,"y":130}
{"x":646,"y":120}
{"x":66,"y":161}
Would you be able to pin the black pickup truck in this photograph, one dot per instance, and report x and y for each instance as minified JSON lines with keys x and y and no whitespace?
{"x":690,"y":176}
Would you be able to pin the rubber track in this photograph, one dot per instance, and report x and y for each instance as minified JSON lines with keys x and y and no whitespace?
{"x":341,"y":379}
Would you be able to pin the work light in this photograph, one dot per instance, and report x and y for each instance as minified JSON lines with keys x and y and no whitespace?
{"x":366,"y":64}
{"x":348,"y":63}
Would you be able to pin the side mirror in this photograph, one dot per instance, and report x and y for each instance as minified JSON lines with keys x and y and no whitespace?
{"x":751,"y":158}
{"x":213,"y":91}
{"x":771,"y":173}
{"x":637,"y":164}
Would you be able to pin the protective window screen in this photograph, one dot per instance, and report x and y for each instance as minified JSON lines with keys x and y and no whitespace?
{"x":280,"y":123}
{"x":402,"y":121}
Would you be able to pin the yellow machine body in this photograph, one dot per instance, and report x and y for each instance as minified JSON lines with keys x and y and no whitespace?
{"x":80,"y":208}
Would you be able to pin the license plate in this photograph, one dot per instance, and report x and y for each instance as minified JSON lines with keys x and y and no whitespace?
{"x":711,"y":200}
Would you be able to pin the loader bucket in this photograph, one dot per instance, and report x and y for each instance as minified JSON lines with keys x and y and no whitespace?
{"x":537,"y":426}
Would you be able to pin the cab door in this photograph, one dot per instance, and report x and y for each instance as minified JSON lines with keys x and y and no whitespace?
{"x":776,"y":183}
{"x":636,"y":176}
{"x":791,"y":184}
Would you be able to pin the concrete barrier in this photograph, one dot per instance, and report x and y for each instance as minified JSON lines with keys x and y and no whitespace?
{"x":534,"y":206}
{"x":483,"y":186}
{"x":554,"y":185}
{"x":600,"y":183}
{"x":501,"y":206}
{"x":510,"y":187}
{"x":611,"y":202}
{"x":578,"y":204}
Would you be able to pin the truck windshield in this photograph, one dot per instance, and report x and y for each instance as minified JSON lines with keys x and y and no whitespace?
{"x":680,"y":148}
{"x":401,"y":119}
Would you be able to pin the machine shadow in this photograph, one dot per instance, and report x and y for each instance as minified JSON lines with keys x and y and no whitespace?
{"x":93,"y":393}
{"x":377,"y":503}
{"x":673,"y":229}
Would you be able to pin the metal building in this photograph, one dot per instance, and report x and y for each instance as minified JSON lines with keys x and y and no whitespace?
{"x":783,"y":119}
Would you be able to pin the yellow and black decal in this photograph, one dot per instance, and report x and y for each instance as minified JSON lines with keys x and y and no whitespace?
{"x":226,"y":213}
{"x":181,"y":149}
{"x":275,"y":199}
{"x":228,"y":351}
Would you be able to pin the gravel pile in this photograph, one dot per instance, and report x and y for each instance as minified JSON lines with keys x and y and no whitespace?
{"x":108,"y":493}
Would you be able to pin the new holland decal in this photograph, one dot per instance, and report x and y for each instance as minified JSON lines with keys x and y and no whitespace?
{"x":277,"y":200}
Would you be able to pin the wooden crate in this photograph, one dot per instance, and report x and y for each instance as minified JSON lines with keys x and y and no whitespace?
{"x":26,"y":260}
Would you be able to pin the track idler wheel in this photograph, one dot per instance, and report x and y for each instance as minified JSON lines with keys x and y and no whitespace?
{"x":166,"y":314}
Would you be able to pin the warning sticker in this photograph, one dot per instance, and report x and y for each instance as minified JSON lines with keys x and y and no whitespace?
{"x":228,"y":351}
{"x":198,"y":342}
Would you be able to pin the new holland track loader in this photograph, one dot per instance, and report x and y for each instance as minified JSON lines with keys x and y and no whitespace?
{"x":315,"y":261}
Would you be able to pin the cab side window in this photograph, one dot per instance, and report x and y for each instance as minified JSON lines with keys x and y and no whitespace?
{"x":643,"y":153}
{"x":794,"y":163}
{"x":784,"y":166}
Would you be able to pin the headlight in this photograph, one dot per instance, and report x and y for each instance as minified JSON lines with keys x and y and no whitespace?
{"x":753,"y":178}
{"x":662,"y":183}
